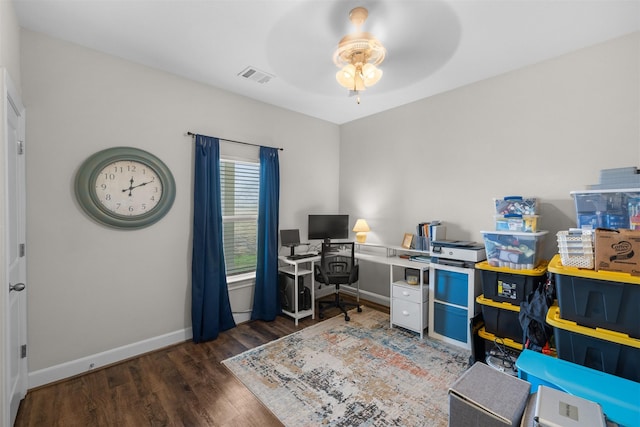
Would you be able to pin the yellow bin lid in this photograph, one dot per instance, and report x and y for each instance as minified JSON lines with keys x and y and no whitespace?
{"x":538,"y":271}
{"x":555,"y":266}
{"x":553,"y":319}
{"x":482,"y":333}
{"x":480,"y":299}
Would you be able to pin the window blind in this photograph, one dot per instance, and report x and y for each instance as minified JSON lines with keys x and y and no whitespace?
{"x":240,"y":187}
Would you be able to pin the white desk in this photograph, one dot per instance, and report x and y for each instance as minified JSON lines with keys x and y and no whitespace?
{"x":408,"y":303}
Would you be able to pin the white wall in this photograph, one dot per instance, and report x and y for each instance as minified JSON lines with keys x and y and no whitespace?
{"x":10,"y":42}
{"x":94,"y":289}
{"x":541,"y":131}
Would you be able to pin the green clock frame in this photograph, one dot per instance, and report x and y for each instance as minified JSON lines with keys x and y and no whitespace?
{"x":85,"y":187}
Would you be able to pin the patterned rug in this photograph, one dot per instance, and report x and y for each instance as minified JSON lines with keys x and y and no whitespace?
{"x":357,"y":373}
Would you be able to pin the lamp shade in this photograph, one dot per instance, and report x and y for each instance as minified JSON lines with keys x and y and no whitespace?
{"x":361,"y":229}
{"x":361,"y":225}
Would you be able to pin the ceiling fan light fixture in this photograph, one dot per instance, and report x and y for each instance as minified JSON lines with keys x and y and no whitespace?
{"x":371,"y":74}
{"x":358,"y":54}
{"x":346,"y":76}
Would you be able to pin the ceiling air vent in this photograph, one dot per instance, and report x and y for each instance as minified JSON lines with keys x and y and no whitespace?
{"x":252,"y":73}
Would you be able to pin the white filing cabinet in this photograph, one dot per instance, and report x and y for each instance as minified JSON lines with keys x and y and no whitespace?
{"x":409,"y":307}
{"x":409,"y":303}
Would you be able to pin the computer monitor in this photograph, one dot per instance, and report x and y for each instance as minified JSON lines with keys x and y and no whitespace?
{"x":327,"y":227}
{"x":290,"y":238}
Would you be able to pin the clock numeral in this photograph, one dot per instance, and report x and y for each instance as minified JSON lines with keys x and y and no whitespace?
{"x":131,"y":168}
{"x":131,"y":209}
{"x":109,"y":176}
{"x":103,"y":186}
{"x":144,"y":206}
{"x":118,"y":205}
{"x":107,"y":196}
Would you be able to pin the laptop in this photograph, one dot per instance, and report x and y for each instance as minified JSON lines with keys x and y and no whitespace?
{"x":555,"y":408}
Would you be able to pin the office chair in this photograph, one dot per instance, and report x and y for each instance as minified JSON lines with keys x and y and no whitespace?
{"x":337,"y":267}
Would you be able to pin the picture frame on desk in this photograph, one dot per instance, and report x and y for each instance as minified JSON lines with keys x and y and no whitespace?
{"x":406,"y":241}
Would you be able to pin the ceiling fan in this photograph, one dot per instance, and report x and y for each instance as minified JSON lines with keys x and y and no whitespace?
{"x":418,"y":37}
{"x":358,"y":55}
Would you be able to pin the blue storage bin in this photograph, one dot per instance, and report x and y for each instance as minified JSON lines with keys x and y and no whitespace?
{"x":451,"y":287}
{"x":501,"y":318}
{"x":600,"y":349}
{"x":617,"y":396}
{"x":450,"y":321}
{"x":598,"y":299}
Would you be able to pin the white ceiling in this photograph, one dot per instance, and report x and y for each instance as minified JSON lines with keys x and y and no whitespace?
{"x":432,"y":45}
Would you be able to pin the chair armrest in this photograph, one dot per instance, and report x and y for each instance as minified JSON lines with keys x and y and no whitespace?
{"x":353,"y":277}
{"x":320,"y":275}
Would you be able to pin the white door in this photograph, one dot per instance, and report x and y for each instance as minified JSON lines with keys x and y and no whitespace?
{"x":16,"y":303}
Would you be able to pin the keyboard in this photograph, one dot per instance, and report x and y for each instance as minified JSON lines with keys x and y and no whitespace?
{"x":302,"y":256}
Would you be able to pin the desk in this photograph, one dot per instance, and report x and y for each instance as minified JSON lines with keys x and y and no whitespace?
{"x":408,"y":303}
{"x":299,"y":268}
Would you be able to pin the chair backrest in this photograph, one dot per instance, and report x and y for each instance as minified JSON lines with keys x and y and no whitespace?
{"x":337,"y":263}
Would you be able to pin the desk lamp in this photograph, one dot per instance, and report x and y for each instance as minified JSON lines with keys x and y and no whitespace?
{"x":361,"y":228}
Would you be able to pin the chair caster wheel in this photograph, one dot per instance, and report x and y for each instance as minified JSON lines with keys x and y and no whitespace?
{"x":347,"y":318}
{"x":359,"y":310}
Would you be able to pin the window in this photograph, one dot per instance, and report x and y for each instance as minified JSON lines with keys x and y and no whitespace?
{"x":240,"y":186}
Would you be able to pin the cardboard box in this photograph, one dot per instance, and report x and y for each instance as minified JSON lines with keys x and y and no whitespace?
{"x":618,"y":250}
{"x":486,"y":397}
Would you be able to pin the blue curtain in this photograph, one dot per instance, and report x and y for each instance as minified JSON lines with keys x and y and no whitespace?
{"x":210,"y":307}
{"x":266,"y":304}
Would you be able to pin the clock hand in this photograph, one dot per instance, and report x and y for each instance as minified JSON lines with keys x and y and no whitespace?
{"x":131,"y":187}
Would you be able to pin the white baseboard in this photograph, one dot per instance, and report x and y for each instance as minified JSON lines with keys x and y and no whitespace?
{"x":85,"y":364}
{"x":369,"y":296}
{"x":352,"y":290}
{"x":88,"y":363}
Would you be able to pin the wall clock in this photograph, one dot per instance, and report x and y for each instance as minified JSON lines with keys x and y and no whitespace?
{"x":125,"y":187}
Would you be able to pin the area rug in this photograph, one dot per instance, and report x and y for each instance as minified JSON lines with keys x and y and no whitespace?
{"x":357,"y":373}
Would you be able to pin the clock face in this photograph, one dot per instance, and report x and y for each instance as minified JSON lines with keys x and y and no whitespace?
{"x":129,"y":188}
{"x":125,"y":187}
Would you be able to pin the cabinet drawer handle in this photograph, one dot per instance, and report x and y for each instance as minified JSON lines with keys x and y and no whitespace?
{"x":405,"y":313}
{"x":405,"y":293}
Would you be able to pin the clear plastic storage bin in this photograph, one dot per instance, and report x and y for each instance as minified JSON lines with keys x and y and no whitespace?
{"x":516,"y":205}
{"x":608,"y":208}
{"x":514,"y":250}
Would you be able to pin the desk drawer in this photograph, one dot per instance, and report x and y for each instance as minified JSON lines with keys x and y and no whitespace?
{"x":410,"y":294}
{"x":407,"y":314}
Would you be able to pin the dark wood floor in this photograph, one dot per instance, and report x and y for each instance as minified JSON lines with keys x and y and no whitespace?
{"x":182,"y":385}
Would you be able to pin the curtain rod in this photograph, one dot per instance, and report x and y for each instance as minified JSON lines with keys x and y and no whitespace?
{"x":238,"y":142}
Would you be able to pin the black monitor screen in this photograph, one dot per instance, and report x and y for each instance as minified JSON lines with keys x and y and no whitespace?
{"x":290,"y":237}
{"x":322,"y":227}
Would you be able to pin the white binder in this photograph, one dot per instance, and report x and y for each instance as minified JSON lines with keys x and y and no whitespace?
{"x":555,"y":408}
